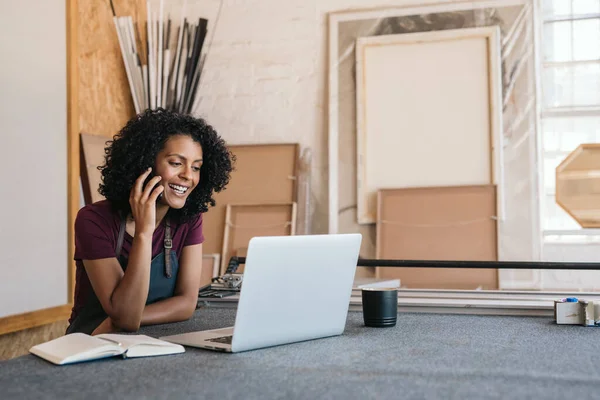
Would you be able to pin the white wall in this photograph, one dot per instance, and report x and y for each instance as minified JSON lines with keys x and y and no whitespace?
{"x":33,"y":166}
{"x":266,"y":75}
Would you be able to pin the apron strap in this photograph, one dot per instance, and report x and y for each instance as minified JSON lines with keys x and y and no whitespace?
{"x":120,"y":239}
{"x":168,"y":246}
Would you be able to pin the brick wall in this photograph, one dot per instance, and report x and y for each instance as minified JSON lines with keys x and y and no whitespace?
{"x":266,"y":75}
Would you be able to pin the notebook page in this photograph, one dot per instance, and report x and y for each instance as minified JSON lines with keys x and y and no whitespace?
{"x":75,"y":347}
{"x":143,"y":345}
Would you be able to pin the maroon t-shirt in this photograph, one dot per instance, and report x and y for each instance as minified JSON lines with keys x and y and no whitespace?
{"x":96,"y":234}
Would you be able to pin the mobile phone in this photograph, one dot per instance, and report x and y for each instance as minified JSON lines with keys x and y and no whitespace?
{"x":148,"y":178}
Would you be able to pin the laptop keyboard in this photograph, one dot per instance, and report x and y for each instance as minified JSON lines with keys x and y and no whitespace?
{"x":222,"y":339}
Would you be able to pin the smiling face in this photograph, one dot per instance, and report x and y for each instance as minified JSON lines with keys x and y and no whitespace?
{"x":178,"y":163}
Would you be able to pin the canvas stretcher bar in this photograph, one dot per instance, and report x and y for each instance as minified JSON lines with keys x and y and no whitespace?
{"x":245,"y":221}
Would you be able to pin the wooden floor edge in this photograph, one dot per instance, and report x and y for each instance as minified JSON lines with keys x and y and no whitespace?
{"x":19,"y":322}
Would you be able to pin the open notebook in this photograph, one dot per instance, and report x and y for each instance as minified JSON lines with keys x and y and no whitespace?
{"x":79,"y":347}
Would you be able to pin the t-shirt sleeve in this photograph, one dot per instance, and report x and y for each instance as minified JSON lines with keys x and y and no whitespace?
{"x":195,"y":234}
{"x":94,"y":238}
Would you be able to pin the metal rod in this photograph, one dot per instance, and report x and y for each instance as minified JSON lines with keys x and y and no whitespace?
{"x":569,"y":18}
{"x":362,"y":262}
{"x":591,"y":111}
{"x":479,"y":264}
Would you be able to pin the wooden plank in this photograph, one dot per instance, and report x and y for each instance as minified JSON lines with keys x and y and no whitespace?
{"x":18,"y":322}
{"x":105,"y":101}
{"x":72,"y":135}
{"x":438,"y":223}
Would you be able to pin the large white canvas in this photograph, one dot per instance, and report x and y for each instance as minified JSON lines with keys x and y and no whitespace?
{"x":34,"y":258}
{"x":428,"y":112}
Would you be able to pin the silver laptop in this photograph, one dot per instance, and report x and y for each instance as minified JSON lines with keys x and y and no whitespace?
{"x":295,"y":288}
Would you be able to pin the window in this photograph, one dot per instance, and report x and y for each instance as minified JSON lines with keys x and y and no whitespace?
{"x":570,"y":87}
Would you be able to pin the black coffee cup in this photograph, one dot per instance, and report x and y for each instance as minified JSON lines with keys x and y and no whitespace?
{"x":380,"y":306}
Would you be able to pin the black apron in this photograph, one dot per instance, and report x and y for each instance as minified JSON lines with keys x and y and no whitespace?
{"x":163,"y":277}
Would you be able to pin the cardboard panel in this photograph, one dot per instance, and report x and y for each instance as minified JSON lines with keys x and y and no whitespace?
{"x":438,"y":223}
{"x":264,"y":173}
{"x":92,"y":156}
{"x":245,"y":221}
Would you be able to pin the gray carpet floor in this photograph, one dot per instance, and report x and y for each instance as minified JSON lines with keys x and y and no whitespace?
{"x":425,"y":356}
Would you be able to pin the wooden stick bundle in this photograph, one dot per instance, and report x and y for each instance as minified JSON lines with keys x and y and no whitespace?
{"x":174,"y":62}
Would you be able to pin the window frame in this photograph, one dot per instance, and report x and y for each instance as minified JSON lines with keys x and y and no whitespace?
{"x":542,"y":18}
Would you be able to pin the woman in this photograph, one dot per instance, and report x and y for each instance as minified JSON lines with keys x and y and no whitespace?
{"x":139,"y":252}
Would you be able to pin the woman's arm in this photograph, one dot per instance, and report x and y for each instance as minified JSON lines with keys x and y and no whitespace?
{"x":177,"y":308}
{"x":123,"y":294}
{"x":183,"y":304}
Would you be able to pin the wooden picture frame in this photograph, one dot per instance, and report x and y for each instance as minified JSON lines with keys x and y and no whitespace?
{"x":390,"y":112}
{"x":244,"y":221}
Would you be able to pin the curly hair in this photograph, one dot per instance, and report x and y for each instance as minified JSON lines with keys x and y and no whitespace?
{"x":137,"y":145}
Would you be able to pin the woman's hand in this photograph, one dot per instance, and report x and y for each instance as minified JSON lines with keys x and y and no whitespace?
{"x":143,"y":203}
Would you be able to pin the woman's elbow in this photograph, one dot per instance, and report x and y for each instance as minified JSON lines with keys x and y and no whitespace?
{"x":190,"y":308}
{"x":127,"y":325}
